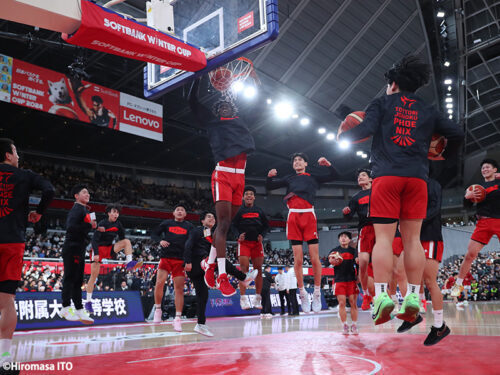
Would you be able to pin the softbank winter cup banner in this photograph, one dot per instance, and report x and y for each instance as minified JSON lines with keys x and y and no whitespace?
{"x":53,"y":92}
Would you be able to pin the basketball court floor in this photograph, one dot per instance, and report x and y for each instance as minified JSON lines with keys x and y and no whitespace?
{"x":309,"y":344}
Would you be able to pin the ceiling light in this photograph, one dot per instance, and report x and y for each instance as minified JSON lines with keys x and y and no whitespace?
{"x":447,"y":81}
{"x":446,"y":63}
{"x":238,"y":86}
{"x":440,"y":14}
{"x":295,"y":115}
{"x":305,"y":121}
{"x":344,"y":144}
{"x":449,"y":100}
{"x":364,"y":156}
{"x":283,"y":110}
{"x":449,"y":88}
{"x":321,"y":130}
{"x":250,"y":92}
{"x":269,"y":101}
{"x":330,"y":136}
{"x":450,"y":111}
{"x":450,"y":117}
{"x":449,"y":105}
{"x":359,"y":153}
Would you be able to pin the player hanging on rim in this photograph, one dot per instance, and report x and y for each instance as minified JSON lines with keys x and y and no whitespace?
{"x":432,"y":242}
{"x":301,"y":223}
{"x":197,"y":248}
{"x":366,"y":237}
{"x":16,"y":185}
{"x":230,"y":141}
{"x":402,"y":126}
{"x":102,"y":245}
{"x":488,"y":219}
{"x":252,"y":225}
{"x":345,"y":284}
{"x":172,"y":236}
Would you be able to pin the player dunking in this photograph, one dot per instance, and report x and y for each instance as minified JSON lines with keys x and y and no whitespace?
{"x":402,"y":126}
{"x":102,"y":244}
{"x":432,"y":242}
{"x":172,"y":236}
{"x":345,"y":285}
{"x":230,"y":141}
{"x":252,"y":225}
{"x":16,"y":186}
{"x":366,"y":235}
{"x":488,"y":223}
{"x":301,"y":224}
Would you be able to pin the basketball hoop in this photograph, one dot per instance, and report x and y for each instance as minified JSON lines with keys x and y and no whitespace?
{"x":238,"y":70}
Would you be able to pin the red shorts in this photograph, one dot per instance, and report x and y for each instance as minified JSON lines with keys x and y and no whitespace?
{"x":366,"y":239}
{"x":397,"y":246}
{"x":252,"y":249}
{"x":433,"y":249}
{"x":11,"y":261}
{"x":398,"y":198}
{"x":370,"y":270}
{"x":301,"y":226}
{"x":104,"y":253}
{"x":345,"y":288}
{"x":228,"y":180}
{"x":485,"y":229}
{"x":173,"y":266}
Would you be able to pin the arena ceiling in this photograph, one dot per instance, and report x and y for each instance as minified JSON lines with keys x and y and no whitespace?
{"x":329,"y":59}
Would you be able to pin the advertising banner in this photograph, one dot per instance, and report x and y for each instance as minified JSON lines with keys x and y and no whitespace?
{"x":43,"y":89}
{"x":106,"y":31}
{"x":40,"y":310}
{"x":218,"y":305}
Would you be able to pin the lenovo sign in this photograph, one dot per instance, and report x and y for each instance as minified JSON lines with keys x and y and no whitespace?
{"x":141,"y":117}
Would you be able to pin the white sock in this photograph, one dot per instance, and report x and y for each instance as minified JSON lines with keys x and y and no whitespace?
{"x":5,"y":345}
{"x":178,"y":314}
{"x":412,"y":288}
{"x":367,"y":293}
{"x":302,"y":290}
{"x":394,"y":299}
{"x":380,"y":288}
{"x":221,"y":264}
{"x":422,"y":296}
{"x":317,"y":289}
{"x":157,"y":306}
{"x":438,"y":318}
{"x":89,"y":296}
{"x":459,"y":281}
{"x":212,"y":255}
{"x":129,"y":258}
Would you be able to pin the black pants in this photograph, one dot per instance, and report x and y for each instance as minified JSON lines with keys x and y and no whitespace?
{"x":284,"y":297}
{"x":196,"y":276}
{"x":266,"y":301}
{"x":293,"y":301}
{"x":74,"y":265}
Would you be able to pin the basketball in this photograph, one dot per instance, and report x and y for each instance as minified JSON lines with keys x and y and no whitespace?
{"x":221,"y":78}
{"x":351,"y":121}
{"x":335,"y":258}
{"x":437,"y":145}
{"x":476,"y":188}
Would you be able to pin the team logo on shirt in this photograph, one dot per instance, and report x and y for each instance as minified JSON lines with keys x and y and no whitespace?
{"x":177,"y":230}
{"x":364,"y":200}
{"x":6,"y":193}
{"x":405,"y":122}
{"x":112,"y":229}
{"x":491,"y":188}
{"x":250,"y":215}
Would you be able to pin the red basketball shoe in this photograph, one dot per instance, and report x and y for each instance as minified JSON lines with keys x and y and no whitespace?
{"x":225,"y":286}
{"x":209,"y":273}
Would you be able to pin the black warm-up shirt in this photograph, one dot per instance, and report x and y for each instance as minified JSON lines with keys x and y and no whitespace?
{"x":490,"y":207}
{"x":252,"y":221}
{"x":197,"y":244}
{"x":78,"y":225}
{"x":176,"y":234}
{"x":228,"y":137}
{"x":15,"y":187}
{"x":359,"y":205}
{"x":106,"y":238}
{"x":347,"y":270}
{"x":303,"y":185}
{"x":402,"y":126}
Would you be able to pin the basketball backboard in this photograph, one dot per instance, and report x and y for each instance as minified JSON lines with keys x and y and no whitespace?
{"x":223,"y":29}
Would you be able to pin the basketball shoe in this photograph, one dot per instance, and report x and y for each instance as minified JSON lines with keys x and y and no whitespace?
{"x":382,"y":309}
{"x":225,"y":286}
